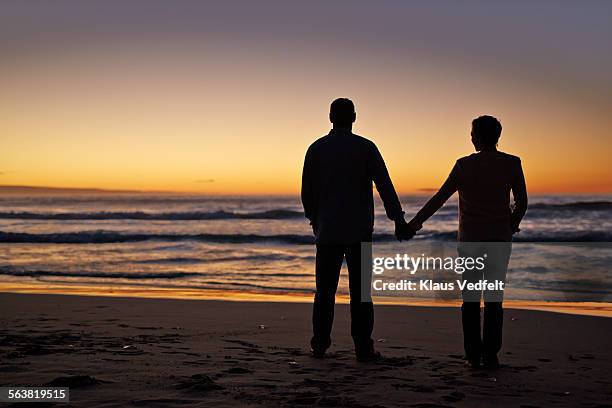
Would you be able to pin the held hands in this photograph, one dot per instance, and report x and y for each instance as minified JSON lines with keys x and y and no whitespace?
{"x":403,"y":230}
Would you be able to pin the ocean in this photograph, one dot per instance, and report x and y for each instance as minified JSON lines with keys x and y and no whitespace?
{"x":264,"y":245}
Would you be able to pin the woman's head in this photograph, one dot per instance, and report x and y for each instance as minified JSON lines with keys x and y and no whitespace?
{"x":486,"y":131}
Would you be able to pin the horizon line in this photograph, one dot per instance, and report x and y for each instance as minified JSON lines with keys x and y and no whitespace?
{"x":24,"y":189}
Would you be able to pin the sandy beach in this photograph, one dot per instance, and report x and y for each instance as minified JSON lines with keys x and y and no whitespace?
{"x":114,"y":351}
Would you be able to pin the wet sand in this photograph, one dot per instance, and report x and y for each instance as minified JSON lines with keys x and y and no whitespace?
{"x":115,"y":351}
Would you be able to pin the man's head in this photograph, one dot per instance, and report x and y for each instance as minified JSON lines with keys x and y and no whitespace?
{"x":486,"y":131}
{"x":342,"y":112}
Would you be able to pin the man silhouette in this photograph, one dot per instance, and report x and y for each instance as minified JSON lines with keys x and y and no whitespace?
{"x":486,"y":225}
{"x":337,"y":196}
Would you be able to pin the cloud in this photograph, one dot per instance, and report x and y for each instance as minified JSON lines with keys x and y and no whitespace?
{"x":427,"y":189}
{"x":201,"y":181}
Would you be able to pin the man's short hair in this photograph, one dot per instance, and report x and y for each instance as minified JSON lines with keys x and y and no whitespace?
{"x":342,"y":111}
{"x":487,"y":130}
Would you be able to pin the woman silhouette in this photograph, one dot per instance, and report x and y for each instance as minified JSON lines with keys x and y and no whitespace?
{"x":487,"y":222}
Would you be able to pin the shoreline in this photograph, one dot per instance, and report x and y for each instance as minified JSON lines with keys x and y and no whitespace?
{"x":600,"y":309}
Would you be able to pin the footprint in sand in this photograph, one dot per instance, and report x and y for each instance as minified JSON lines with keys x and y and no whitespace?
{"x":198,"y":383}
{"x":238,"y":370}
{"x":455,"y":396}
{"x":75,"y":381}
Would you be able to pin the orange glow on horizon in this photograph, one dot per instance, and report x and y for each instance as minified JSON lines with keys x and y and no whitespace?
{"x":212,"y":115}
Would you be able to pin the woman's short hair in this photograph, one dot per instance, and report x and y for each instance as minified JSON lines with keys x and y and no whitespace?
{"x":487,"y":130}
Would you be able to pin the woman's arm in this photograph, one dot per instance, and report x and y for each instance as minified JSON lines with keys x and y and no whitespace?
{"x":450,"y":186}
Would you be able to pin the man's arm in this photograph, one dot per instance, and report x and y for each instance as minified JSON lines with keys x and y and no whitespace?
{"x":385,"y":188}
{"x":519,"y":192}
{"x":384,"y":185}
{"x":450,"y":186}
{"x":308,"y":194}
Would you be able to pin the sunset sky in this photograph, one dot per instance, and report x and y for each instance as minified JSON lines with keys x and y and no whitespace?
{"x":225,"y":97}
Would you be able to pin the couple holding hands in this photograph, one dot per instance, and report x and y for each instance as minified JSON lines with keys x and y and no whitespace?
{"x":339,"y":169}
